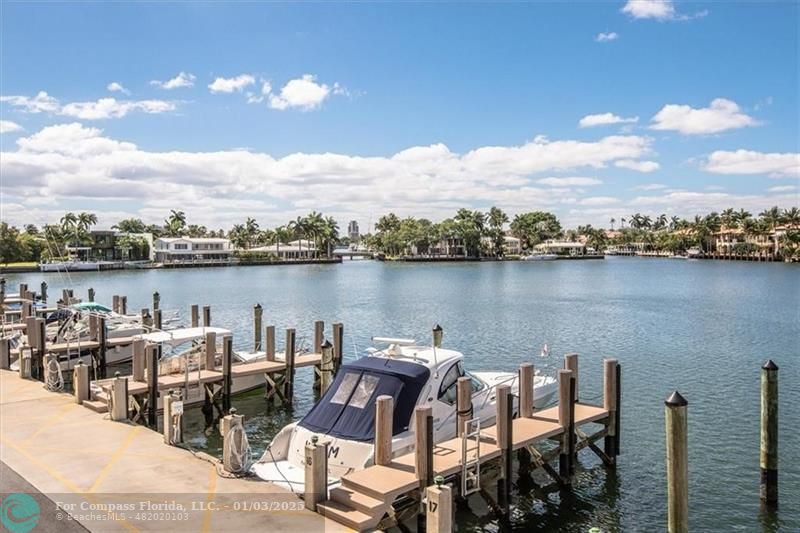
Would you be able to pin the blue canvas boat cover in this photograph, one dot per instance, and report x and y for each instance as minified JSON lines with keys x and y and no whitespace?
{"x":347,"y":410}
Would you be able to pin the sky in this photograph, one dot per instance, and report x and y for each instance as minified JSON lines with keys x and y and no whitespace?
{"x":592,"y":111}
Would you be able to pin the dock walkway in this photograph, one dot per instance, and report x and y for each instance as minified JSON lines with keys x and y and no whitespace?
{"x":78,"y":457}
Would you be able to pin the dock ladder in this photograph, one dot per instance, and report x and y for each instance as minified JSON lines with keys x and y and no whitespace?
{"x":471,"y":457}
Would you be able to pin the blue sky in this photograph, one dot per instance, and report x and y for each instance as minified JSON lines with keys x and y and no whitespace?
{"x":417,"y":108}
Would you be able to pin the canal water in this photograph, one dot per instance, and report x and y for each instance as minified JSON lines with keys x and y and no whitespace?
{"x":702,"y":327}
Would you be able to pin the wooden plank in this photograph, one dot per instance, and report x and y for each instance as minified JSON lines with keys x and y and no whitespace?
{"x":584,"y":414}
{"x":259,"y":367}
{"x":172,"y":381}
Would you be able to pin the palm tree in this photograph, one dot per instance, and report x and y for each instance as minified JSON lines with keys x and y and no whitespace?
{"x":299,"y":227}
{"x":69,"y":223}
{"x":496,"y":219}
{"x":250,"y":230}
{"x":728,"y":217}
{"x":331,"y":228}
{"x":175,"y":224}
{"x":238,"y":236}
{"x":613,"y":220}
{"x":791,"y":217}
{"x":281,"y":234}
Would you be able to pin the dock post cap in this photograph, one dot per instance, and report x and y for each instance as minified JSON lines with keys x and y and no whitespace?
{"x":232,"y":410}
{"x":257,"y":306}
{"x":327,"y":344}
{"x":438,"y":333}
{"x":314,"y":440}
{"x":117,"y":374}
{"x":769,"y":364}
{"x":676,"y":400}
{"x":439,"y":481}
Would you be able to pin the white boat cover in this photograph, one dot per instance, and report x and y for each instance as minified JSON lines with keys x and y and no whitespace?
{"x":177,"y":337}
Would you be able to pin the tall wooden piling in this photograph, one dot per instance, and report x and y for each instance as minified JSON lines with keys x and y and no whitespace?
{"x":463,"y":404}
{"x":232,"y":442}
{"x":319,"y":335}
{"x":504,"y":419}
{"x":326,"y":367}
{"x":102,"y":350}
{"x":423,"y":445}
{"x":769,"y":434}
{"x":316,"y":473}
{"x":571,"y":364}
{"x":157,"y":321}
{"x":338,"y":346}
{"x":211,"y":350}
{"x":258,"y":311}
{"x":153,"y":352}
{"x":440,"y":508}
{"x":81,"y":383}
{"x":115,"y":303}
{"x":384,"y":409}
{"x":195,"y":315}
{"x":41,"y":348}
{"x":139,"y":360}
{"x":270,"y":341}
{"x":26,"y":310}
{"x":289,"y":353}
{"x":93,"y":327}
{"x":610,"y":405}
{"x":206,"y":316}
{"x":156,"y":301}
{"x":91,"y":294}
{"x":675,"y":414}
{"x":43,"y":292}
{"x":526,"y":374}
{"x":123,"y":305}
{"x":227,"y":376}
{"x":566,"y":414}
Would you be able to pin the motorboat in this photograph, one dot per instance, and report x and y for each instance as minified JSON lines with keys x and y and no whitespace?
{"x":345,"y":415}
{"x":70,"y":266}
{"x":694,"y":252}
{"x":540,"y":256}
{"x":679,"y":256}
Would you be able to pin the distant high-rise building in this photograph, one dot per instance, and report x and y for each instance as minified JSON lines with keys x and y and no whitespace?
{"x":352,"y":231}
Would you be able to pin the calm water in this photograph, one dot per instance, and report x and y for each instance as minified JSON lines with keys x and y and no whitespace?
{"x":703,"y":327}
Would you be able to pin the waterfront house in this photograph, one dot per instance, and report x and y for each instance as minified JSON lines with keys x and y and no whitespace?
{"x":562,"y":247}
{"x":110,"y":245}
{"x":191,"y":249}
{"x":299,"y":249}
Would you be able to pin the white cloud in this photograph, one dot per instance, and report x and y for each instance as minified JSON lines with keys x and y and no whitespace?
{"x":6,"y":126}
{"x":776,"y":165}
{"x":569,"y":182}
{"x":650,"y":187}
{"x":41,"y":103}
{"x":606,"y":37}
{"x":639,"y":166}
{"x":266,"y":89}
{"x":183,"y":79}
{"x":598,"y":200}
{"x":79,"y":165}
{"x":106,"y":108}
{"x":229,"y":85}
{"x":721,"y":115}
{"x":782,"y":188}
{"x":304,"y":93}
{"x":658,"y":10}
{"x":605,"y":119}
{"x":116,"y":87}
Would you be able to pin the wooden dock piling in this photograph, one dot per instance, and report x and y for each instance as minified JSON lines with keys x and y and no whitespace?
{"x":157,"y":323}
{"x":211,"y":350}
{"x":384,"y":409}
{"x":227,"y":377}
{"x":423,"y":448}
{"x":439,"y":508}
{"x":338,"y":346}
{"x":5,"y":353}
{"x":258,"y":311}
{"x":326,"y":367}
{"x":769,"y":434}
{"x":232,"y":428}
{"x":206,"y":316}
{"x":43,"y":292}
{"x":270,"y":341}
{"x":316,"y":473}
{"x":123,"y":305}
{"x":566,"y":415}
{"x":156,"y":301}
{"x":571,"y":364}
{"x":610,"y":395}
{"x":194,"y":311}
{"x":119,"y":398}
{"x":504,"y":422}
{"x":463,"y":404}
{"x":41,"y":347}
{"x":115,"y":304}
{"x":289,"y":354}
{"x":526,"y":373}
{"x":91,"y":294}
{"x":319,"y":335}
{"x":675,"y":414}
{"x":139,"y":360}
{"x":102,"y":350}
{"x":153,"y":354}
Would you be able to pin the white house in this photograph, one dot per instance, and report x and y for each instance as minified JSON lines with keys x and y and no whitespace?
{"x":171,"y":249}
{"x":304,"y":249}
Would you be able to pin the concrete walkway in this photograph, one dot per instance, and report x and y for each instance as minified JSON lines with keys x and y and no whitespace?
{"x":112,"y":476}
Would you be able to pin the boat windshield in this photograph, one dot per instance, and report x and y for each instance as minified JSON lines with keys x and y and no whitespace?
{"x":347,"y":410}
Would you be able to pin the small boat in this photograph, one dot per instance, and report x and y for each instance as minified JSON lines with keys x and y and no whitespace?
{"x":694,"y":252}
{"x":345,"y":415}
{"x":69,"y":266}
{"x":540,"y":256}
{"x":679,"y":256}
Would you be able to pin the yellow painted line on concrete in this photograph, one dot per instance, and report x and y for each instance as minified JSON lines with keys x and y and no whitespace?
{"x":53,"y":473}
{"x":115,"y":458}
{"x":212,"y":489}
{"x":47,"y":424}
